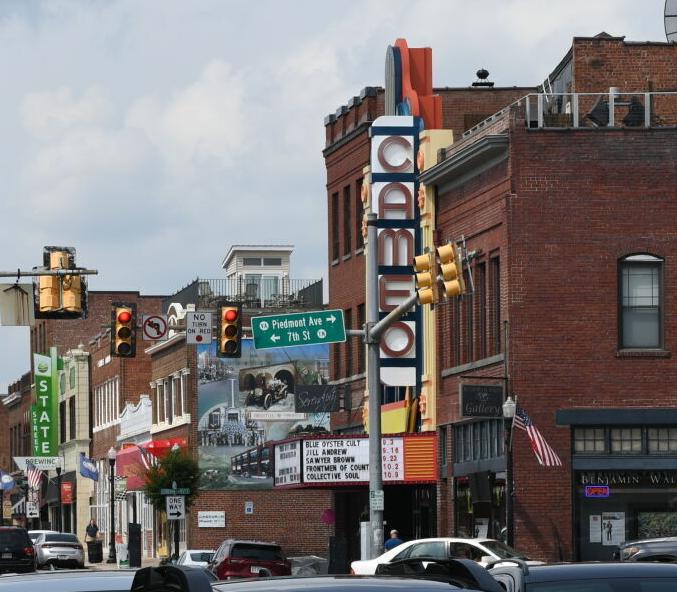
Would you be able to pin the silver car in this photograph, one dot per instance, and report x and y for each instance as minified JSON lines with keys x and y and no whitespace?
{"x":69,"y":581}
{"x":59,"y":549}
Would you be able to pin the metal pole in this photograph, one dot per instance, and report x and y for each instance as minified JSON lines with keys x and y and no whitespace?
{"x":509,"y":478}
{"x":39,"y":272}
{"x":111,"y":538}
{"x":374,"y":388}
{"x":176,"y":540}
{"x":58,"y":500}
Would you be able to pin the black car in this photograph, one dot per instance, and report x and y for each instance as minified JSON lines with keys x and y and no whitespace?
{"x":661,"y":549}
{"x":17,"y":553}
{"x":586,"y":577}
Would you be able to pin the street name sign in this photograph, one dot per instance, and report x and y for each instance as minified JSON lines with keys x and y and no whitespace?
{"x":198,"y":327}
{"x":300,"y":328}
{"x":177,"y":491}
{"x":176,"y":507}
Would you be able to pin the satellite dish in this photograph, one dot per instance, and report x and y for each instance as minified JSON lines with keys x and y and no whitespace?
{"x":670,"y":19}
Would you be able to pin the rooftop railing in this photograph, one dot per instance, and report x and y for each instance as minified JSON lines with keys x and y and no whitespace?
{"x":273,"y":292}
{"x":614,"y":109}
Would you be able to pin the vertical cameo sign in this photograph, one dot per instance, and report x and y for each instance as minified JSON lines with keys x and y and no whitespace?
{"x":394,"y":143}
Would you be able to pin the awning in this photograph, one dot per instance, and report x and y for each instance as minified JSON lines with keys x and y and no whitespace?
{"x":159,"y":448}
{"x":132,"y":463}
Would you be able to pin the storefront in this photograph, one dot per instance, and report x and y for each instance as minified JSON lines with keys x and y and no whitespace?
{"x":624,"y":477}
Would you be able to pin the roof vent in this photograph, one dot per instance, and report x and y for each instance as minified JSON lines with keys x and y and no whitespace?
{"x":482,"y":81}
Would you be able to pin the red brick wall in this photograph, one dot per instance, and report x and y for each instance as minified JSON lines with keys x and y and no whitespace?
{"x":290,"y":518}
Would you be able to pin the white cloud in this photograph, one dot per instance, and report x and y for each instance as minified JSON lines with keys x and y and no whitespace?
{"x":202,"y":124}
{"x":50,"y":113}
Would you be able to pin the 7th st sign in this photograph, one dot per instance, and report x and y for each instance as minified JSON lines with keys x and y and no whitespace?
{"x":301,"y":328}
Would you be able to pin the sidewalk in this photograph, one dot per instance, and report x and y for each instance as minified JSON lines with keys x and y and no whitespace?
{"x":145,"y":562}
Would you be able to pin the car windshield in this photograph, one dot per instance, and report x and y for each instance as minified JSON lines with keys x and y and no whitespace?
{"x":60,"y":538}
{"x":502,"y":550}
{"x":12,"y":538}
{"x":606,"y":585}
{"x":262,"y":552}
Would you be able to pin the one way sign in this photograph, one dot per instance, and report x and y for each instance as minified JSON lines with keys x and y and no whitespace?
{"x":176,"y":507}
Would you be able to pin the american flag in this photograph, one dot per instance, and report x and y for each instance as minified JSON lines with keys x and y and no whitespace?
{"x":546,"y":456}
{"x":34,"y":475}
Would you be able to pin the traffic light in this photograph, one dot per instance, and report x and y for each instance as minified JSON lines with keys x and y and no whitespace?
{"x":425,"y":268}
{"x":123,"y":337}
{"x":60,"y":296}
{"x":451,"y":270}
{"x":230,"y":332}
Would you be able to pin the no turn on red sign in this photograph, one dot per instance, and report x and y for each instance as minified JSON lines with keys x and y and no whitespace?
{"x":198,"y":327}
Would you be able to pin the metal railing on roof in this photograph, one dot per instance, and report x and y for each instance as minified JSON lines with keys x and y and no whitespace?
{"x":273,"y":292}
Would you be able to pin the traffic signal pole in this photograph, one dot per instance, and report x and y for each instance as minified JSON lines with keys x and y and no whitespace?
{"x":374,"y":329}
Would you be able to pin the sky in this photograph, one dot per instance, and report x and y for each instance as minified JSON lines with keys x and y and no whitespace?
{"x":153,"y":135}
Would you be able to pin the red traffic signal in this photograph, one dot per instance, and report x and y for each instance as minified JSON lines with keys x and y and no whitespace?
{"x":123,"y":338}
{"x":230,"y":327}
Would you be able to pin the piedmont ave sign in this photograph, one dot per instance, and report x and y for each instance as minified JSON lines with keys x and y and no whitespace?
{"x":301,"y":328}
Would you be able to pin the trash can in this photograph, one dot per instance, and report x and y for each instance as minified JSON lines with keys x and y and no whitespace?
{"x":95,"y":551}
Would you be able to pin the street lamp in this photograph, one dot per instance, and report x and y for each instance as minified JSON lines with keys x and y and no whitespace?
{"x":509,"y":409}
{"x":112,"y":454}
{"x":58,"y":498}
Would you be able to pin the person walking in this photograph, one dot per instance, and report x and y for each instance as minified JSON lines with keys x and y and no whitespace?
{"x":393,"y":541}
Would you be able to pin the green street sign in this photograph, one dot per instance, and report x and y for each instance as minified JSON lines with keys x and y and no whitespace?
{"x":299,"y":328}
{"x":178,"y":491}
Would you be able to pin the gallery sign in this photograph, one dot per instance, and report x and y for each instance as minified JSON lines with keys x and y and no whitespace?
{"x":480,"y":400}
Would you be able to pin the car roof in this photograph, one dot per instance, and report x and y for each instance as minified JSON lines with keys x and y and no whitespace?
{"x":576,"y":571}
{"x":672,"y":540}
{"x":68,"y":581}
{"x":332,"y":583}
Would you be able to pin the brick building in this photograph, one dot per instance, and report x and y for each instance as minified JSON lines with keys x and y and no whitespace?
{"x":568,"y":200}
{"x":347,"y":152}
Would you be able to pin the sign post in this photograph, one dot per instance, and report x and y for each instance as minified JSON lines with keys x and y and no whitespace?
{"x":301,"y":328}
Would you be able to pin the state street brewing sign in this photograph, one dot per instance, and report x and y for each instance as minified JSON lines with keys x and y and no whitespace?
{"x":45,"y":411}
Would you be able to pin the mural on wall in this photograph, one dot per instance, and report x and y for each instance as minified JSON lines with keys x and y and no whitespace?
{"x":245,"y":404}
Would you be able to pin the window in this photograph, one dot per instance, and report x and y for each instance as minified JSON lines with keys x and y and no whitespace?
{"x":478,"y":440}
{"x":481,"y":299}
{"x":71,"y":418}
{"x":640,"y":293}
{"x":349,"y":342}
{"x":335,"y":251}
{"x":589,"y":440}
{"x":495,"y":306}
{"x":662,"y":440}
{"x":251,"y":261}
{"x":62,"y":421}
{"x":72,"y":377}
{"x":272,"y":261}
{"x":359,"y":214}
{"x":443,"y":445}
{"x":626,"y":440}
{"x":347,"y":223}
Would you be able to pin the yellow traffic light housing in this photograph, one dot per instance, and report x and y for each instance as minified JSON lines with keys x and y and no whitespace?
{"x":425,"y":268}
{"x":123,"y":337}
{"x":230,"y":331}
{"x":451,"y":270}
{"x":60,"y":296}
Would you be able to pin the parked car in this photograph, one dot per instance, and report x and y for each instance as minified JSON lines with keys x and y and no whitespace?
{"x":69,"y":581}
{"x":249,"y":559}
{"x":195,"y":557}
{"x":480,"y":550}
{"x":586,"y":577}
{"x":34,"y":534}
{"x":660,"y":549}
{"x":59,"y":549}
{"x":17,"y":553}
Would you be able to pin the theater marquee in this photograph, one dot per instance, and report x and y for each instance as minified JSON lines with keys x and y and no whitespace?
{"x":331,"y":461}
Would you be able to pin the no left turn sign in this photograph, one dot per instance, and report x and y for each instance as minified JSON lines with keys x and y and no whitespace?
{"x":155,"y":327}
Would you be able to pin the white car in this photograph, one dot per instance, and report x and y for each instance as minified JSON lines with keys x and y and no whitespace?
{"x":480,"y":550}
{"x":196,"y":557}
{"x":34,"y":534}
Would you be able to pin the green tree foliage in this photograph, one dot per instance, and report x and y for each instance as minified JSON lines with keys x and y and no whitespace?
{"x":177,"y":466}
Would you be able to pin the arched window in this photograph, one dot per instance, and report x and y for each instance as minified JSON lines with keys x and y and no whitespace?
{"x":641,"y":315}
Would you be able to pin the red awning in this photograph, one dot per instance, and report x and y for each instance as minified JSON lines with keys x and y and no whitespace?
{"x":131,"y":463}
{"x":159,"y":448}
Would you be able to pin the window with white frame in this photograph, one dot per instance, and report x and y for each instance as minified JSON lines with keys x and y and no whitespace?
{"x":169,"y":397}
{"x":640,"y":306}
{"x":107,"y":403}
